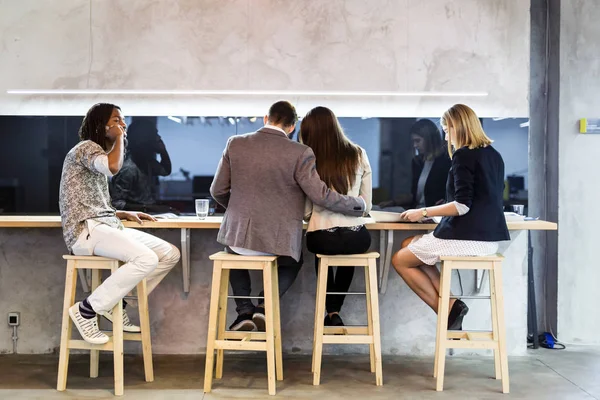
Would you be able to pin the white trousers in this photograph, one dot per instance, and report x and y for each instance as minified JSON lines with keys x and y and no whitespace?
{"x":144,"y":255}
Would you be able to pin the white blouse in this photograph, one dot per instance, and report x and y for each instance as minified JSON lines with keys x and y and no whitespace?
{"x":320,"y":218}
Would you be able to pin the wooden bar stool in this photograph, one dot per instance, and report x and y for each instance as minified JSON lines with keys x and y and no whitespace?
{"x":115,"y":344}
{"x":219,"y":339}
{"x":495,"y":340}
{"x":369,"y":334}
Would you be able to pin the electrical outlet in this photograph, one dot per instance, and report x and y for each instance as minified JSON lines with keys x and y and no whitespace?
{"x":14,"y":318}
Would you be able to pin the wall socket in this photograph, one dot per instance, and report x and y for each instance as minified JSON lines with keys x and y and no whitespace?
{"x":14,"y":318}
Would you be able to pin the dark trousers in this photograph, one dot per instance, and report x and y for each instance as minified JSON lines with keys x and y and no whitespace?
{"x":341,"y":241}
{"x":241,"y":284}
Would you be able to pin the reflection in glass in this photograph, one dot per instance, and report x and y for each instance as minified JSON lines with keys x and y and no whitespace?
{"x":135,"y":186}
{"x":429,"y":169}
{"x":171,"y":162}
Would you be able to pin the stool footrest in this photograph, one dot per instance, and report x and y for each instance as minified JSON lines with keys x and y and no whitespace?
{"x":240,"y":345}
{"x":471,"y":297}
{"x":346,"y":330}
{"x":240,"y":335}
{"x":347,"y":339}
{"x":83,"y":345}
{"x":134,"y":337}
{"x":470,"y":335}
{"x":471,"y":344}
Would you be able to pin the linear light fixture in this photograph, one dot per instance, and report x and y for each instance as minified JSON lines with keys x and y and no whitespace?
{"x":313,"y":93}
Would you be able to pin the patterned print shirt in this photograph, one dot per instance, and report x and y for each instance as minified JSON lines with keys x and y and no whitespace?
{"x":84,"y":192}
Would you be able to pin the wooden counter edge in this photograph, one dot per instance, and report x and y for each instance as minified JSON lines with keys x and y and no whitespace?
{"x":54,"y":222}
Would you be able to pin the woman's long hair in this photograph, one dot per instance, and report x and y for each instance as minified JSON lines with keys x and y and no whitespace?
{"x":432,"y":137}
{"x":468,"y":131}
{"x":94,"y":123}
{"x":337,"y":157}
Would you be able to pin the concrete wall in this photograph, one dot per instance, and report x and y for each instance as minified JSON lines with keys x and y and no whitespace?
{"x":578,"y":272}
{"x":406,"y":46}
{"x":438,"y":45}
{"x":32,"y":275}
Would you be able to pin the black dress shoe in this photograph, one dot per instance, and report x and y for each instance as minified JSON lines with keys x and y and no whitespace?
{"x":243,"y":323}
{"x":259,"y":319}
{"x":458,"y":312}
{"x":334,"y":320}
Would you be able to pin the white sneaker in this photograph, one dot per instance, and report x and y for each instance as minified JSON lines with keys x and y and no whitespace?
{"x":88,"y":328}
{"x":127,"y":325}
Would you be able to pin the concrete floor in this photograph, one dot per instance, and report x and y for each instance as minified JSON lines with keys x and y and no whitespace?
{"x":543,"y":374}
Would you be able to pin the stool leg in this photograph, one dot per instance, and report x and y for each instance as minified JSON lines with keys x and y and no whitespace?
{"x":212,"y":327}
{"x":222,"y":319}
{"x":118,"y":343}
{"x":317,"y":305}
{"x":269,"y":311}
{"x":440,"y":320}
{"x":277,"y":322}
{"x":142,"y":295}
{"x":95,"y":354}
{"x":376,"y":330}
{"x":318,"y":346}
{"x":369,"y":318}
{"x":497,"y":271}
{"x":497,"y":369}
{"x":443,"y":326}
{"x":65,"y":336}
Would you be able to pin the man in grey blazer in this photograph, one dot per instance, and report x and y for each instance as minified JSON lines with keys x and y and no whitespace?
{"x":262,"y":180}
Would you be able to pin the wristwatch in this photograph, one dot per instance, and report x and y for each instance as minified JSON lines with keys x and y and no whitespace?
{"x":424,"y":212}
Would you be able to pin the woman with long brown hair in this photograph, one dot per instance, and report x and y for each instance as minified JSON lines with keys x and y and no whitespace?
{"x":473,"y":219}
{"x":345,"y":168}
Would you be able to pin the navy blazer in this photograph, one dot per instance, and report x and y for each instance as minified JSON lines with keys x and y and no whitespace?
{"x":476,"y":179}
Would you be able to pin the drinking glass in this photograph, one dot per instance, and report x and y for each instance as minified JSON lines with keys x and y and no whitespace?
{"x":518,"y":209}
{"x":201,"y":208}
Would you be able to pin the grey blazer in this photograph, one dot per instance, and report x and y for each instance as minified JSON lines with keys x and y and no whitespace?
{"x":262,"y":180}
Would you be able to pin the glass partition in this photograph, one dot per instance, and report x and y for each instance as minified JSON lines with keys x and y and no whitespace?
{"x":171,"y":160}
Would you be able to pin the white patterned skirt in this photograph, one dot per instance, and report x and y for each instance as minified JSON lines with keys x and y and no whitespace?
{"x":429,"y":249}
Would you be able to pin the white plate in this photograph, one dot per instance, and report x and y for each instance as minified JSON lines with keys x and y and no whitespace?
{"x":513,"y":217}
{"x":385,"y":216}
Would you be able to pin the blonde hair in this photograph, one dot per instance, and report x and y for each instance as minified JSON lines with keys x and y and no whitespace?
{"x":468,"y":131}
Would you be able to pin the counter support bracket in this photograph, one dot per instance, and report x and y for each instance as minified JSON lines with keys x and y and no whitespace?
{"x":388,"y":260}
{"x":185,"y":259}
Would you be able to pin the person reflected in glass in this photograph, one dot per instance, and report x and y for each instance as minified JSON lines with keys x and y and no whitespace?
{"x":344,"y":167}
{"x":136,"y":185}
{"x":430,"y":167}
{"x":473,"y":220}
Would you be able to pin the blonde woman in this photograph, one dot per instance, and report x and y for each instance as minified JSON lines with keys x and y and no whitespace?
{"x":473,"y":219}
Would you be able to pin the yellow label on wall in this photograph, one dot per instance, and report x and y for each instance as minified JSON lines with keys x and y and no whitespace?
{"x":589,"y":125}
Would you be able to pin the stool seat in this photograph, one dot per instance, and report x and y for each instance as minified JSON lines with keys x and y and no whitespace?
{"x":497,"y":257}
{"x":495,"y":339}
{"x":88,"y":258}
{"x":352,"y":256}
{"x":116,"y":337}
{"x":220,"y":339}
{"x":369,"y":334}
{"x":225,"y":256}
